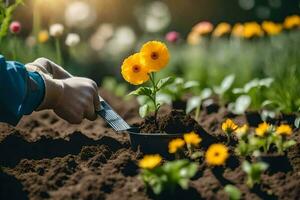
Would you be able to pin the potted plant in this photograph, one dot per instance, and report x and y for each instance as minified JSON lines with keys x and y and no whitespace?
{"x":155,"y":132}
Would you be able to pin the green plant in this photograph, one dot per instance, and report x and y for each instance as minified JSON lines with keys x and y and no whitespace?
{"x":254,"y":91}
{"x":111,"y":84}
{"x":6,"y":15}
{"x":233,"y":192}
{"x":194,"y":103}
{"x":167,"y":177}
{"x":224,"y":87}
{"x":178,"y":88}
{"x":253,"y":171}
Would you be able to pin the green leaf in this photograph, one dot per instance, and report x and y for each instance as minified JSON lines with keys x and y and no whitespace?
{"x":144,"y":110}
{"x":233,"y":192}
{"x":164,"y":82}
{"x":193,"y":103}
{"x":142,"y":91}
{"x":246,"y":166}
{"x":288,"y":144}
{"x":190,"y":84}
{"x":297,"y":122}
{"x":241,"y":104}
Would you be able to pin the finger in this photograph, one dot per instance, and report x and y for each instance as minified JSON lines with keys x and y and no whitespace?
{"x":90,"y":113}
{"x":96,"y":101}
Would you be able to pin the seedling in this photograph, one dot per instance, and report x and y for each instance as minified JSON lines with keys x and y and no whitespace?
{"x":233,"y":192}
{"x":224,"y":87}
{"x":253,"y":171}
{"x":176,"y":90}
{"x":170,"y":175}
{"x":194,"y":103}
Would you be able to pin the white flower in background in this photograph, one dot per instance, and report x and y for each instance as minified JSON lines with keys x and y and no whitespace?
{"x":72,"y":39}
{"x":80,"y":14}
{"x":56,"y":30}
{"x":100,"y":38}
{"x":30,"y":41}
{"x":154,"y":17}
{"x":122,"y":41}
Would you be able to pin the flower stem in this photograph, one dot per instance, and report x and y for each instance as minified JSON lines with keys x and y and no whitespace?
{"x":58,"y":51}
{"x":153,"y":98}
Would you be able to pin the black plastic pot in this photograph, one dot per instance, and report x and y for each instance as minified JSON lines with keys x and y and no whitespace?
{"x":151,"y":143}
{"x":276,"y":162}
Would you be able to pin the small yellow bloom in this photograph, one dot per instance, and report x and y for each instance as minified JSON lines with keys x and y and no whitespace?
{"x":284,"y":129}
{"x":229,"y":126}
{"x":133,"y":70}
{"x":238,"y":30}
{"x":155,"y":55}
{"x":291,"y":22}
{"x":194,"y":38}
{"x":150,"y":161}
{"x":262,"y":129}
{"x":175,"y":145}
{"x":192,"y":138}
{"x":203,"y":28}
{"x":222,"y":29}
{"x":216,"y":154}
{"x":271,"y":28}
{"x":43,"y":36}
{"x":252,"y":29}
{"x":242,"y":130}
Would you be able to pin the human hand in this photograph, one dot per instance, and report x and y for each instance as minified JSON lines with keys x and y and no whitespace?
{"x":48,"y":67}
{"x":72,"y":99}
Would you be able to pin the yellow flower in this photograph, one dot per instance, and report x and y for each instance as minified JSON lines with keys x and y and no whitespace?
{"x":175,"y":145}
{"x":229,"y":126}
{"x":291,"y":22}
{"x":194,"y":38}
{"x":222,"y":29}
{"x":155,"y":55}
{"x":150,"y":161}
{"x":133,"y":71}
{"x":203,"y":28}
{"x":43,"y":36}
{"x":252,"y":29}
{"x":262,"y":129}
{"x":238,"y":30}
{"x":216,"y":154}
{"x":192,"y":138}
{"x":284,"y":129}
{"x":271,"y":28}
{"x":242,"y":130}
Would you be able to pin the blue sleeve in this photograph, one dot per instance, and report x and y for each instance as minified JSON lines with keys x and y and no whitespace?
{"x":21,"y":92}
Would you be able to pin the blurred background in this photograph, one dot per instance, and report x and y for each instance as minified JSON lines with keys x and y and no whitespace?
{"x":107,"y":31}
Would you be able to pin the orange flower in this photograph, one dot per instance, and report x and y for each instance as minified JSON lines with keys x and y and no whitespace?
{"x":155,"y":55}
{"x":222,"y":29}
{"x":133,"y":70}
{"x":203,"y":28}
{"x":284,"y":129}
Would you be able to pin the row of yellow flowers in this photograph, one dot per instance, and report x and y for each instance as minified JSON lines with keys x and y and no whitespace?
{"x":216,"y":154}
{"x":243,"y":30}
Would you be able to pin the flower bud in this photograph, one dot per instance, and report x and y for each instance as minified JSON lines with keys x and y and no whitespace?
{"x":15,"y":27}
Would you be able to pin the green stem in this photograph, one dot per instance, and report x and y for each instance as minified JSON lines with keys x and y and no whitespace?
{"x":14,"y":47}
{"x":153,"y":97}
{"x":228,"y":138}
{"x":36,"y":19}
{"x":58,"y":51}
{"x":197,"y":113}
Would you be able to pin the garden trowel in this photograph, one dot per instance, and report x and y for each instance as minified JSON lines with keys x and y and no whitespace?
{"x":111,"y":117}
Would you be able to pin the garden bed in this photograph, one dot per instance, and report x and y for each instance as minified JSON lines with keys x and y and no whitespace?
{"x":46,"y":158}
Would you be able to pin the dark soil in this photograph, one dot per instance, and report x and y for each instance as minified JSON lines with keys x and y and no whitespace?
{"x":46,"y":158}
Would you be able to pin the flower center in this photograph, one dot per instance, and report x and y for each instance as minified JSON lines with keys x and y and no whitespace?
{"x":216,"y":154}
{"x":154,"y":55}
{"x":136,"y":68}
